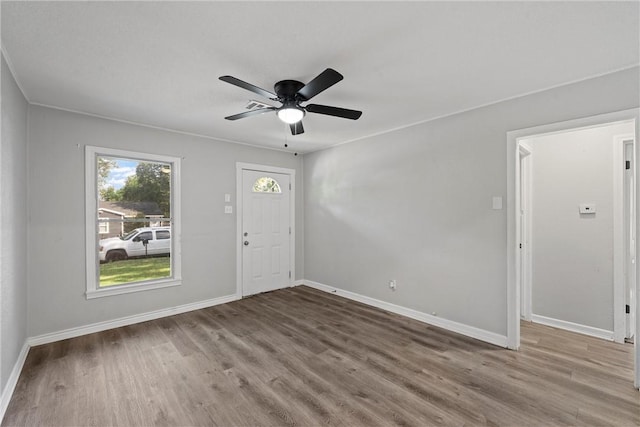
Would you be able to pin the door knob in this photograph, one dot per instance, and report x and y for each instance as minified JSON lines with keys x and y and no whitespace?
{"x":246,"y":234}
{"x":246,"y":243}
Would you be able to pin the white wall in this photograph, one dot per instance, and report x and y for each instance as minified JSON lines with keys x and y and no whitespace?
{"x":13,"y":225}
{"x":56,"y":206}
{"x":572,"y":274}
{"x":415,"y":204}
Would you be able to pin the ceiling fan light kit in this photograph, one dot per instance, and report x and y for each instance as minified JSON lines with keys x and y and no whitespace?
{"x":291,"y":93}
{"x":290,"y":115}
{"x":290,"y":112}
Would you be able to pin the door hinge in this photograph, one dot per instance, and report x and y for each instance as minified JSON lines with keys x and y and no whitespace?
{"x":627,"y":309}
{"x":289,"y":186}
{"x":289,"y":274}
{"x":627,"y":164}
{"x":289,"y":230}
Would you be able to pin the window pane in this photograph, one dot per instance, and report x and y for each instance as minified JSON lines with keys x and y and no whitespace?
{"x":266,"y":184}
{"x":134,"y":200}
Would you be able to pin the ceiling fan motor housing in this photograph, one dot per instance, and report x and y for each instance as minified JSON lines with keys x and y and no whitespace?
{"x":287,"y":90}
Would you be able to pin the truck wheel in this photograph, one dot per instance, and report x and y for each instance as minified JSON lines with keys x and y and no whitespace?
{"x":117,"y":255}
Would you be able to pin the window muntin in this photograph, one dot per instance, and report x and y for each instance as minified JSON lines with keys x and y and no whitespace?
{"x":144,"y":196}
{"x":266,"y":184}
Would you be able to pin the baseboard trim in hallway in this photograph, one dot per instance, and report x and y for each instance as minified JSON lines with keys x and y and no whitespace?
{"x":573,"y":327}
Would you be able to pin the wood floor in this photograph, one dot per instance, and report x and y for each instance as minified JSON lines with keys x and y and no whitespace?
{"x":302,"y":357}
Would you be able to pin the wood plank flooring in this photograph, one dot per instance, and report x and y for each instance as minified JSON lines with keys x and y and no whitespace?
{"x":303,"y":357}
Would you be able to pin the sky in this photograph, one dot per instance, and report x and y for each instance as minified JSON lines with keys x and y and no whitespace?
{"x":123,"y":170}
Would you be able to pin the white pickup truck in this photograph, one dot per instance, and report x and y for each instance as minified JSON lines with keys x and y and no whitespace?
{"x":139,"y":242}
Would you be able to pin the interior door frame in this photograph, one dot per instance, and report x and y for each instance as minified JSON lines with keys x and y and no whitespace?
{"x":240,"y":167}
{"x":620,"y":237}
{"x":525,"y":258}
{"x":513,"y":258}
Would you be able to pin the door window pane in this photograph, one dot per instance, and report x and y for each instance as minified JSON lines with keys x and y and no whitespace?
{"x":266,"y":184}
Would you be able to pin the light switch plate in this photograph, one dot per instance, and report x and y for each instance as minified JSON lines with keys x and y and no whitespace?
{"x":228,"y":209}
{"x":227,"y":198}
{"x":497,"y":202}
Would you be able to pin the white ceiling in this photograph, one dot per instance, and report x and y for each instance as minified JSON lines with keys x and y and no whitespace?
{"x":158,"y":63}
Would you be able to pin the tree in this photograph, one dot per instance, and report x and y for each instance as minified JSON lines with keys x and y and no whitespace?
{"x":110,"y":194}
{"x":151,"y":183}
{"x":104,"y":169}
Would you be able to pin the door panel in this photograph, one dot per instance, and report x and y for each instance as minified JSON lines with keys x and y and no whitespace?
{"x":265,"y":224}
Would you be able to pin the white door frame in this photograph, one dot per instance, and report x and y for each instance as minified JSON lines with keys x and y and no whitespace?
{"x":513,"y":166}
{"x":292,"y":210}
{"x":526,"y":158}
{"x":620,"y":251}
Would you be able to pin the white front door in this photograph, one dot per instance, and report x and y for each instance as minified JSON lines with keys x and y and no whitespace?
{"x":266,"y":228}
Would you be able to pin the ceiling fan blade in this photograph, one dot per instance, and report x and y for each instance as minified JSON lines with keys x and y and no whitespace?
{"x":333,"y":111}
{"x":250,"y":113}
{"x":323,"y":81}
{"x":248,"y":86}
{"x":296,"y":128}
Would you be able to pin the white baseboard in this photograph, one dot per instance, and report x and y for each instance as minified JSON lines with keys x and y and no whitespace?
{"x":298,"y":283}
{"x":129,"y":320}
{"x":573,"y":327}
{"x":12,"y":381}
{"x":470,"y":331}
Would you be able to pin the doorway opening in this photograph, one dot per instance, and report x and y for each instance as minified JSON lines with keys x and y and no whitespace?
{"x":541,"y":285}
{"x":571,"y":205}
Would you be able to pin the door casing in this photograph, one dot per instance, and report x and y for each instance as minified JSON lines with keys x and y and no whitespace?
{"x":524,"y":224}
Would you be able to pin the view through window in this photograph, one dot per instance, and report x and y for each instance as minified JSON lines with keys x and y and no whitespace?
{"x":133,"y":220}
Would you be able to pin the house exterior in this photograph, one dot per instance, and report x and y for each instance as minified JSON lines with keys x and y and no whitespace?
{"x":115,"y":215}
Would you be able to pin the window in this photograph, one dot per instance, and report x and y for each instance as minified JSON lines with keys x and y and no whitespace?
{"x":266,"y":184}
{"x":141,"y":190}
{"x":103,"y":227}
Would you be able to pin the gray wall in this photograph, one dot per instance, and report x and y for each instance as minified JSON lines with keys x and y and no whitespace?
{"x":415,"y":204}
{"x":13,"y":225}
{"x":572,"y":275}
{"x":57,"y":209}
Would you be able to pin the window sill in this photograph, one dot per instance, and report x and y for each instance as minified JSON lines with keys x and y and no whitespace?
{"x":134,"y":287}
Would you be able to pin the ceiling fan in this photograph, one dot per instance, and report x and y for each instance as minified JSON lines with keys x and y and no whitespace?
{"x":291,"y":93}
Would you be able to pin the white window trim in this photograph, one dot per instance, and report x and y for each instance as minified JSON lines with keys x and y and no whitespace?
{"x":91,"y":213}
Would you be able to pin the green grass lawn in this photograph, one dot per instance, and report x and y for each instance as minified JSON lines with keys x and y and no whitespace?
{"x":134,"y":270}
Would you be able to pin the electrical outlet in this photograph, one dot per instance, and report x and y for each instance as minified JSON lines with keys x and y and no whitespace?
{"x":393,"y":284}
